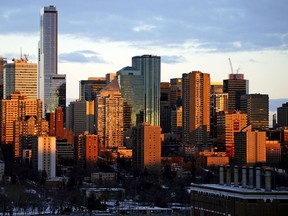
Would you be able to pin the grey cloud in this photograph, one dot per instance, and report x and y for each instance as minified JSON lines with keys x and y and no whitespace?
{"x":82,"y":56}
{"x":172,"y":59}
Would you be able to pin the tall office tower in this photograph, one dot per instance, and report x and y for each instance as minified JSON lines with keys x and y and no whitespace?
{"x":176,"y":120}
{"x":87,"y":150}
{"x":196,"y":109}
{"x":131,"y":84}
{"x":20,"y":76}
{"x":51,"y":86}
{"x":235,"y":86}
{"x":24,"y":130}
{"x":109,"y":116}
{"x":3,"y":61}
{"x":273,"y":152}
{"x":165,"y":109}
{"x":110,"y":77}
{"x":282,"y":115}
{"x":176,"y":92}
{"x":218,"y":103}
{"x":227,"y":124}
{"x":250,"y":146}
{"x":89,"y":89}
{"x":81,"y":117}
{"x":44,"y":155}
{"x":17,"y":107}
{"x":146,"y":152}
{"x":257,"y":108}
{"x":150,"y":68}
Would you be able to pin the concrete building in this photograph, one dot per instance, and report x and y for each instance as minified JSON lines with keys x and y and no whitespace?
{"x":86,"y":150}
{"x":44,"y":155}
{"x":65,"y":153}
{"x":89,"y":89}
{"x":235,"y":86}
{"x":196,"y":109}
{"x":257,"y":108}
{"x":250,"y":146}
{"x":20,"y":75}
{"x":81,"y":117}
{"x":109,"y":116}
{"x":131,"y":84}
{"x":17,"y":107}
{"x":150,"y":68}
{"x":227,"y":124}
{"x":273,"y":152}
{"x":146,"y":152}
{"x":51,"y":85}
{"x":235,"y":199}
{"x":56,"y":123}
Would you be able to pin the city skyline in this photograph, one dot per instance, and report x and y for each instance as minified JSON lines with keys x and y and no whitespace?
{"x":96,"y":38}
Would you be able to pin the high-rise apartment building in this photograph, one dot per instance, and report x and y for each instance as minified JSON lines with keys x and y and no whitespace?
{"x":21,"y":76}
{"x":257,"y":108}
{"x":56,"y":123}
{"x":146,"y":152}
{"x":17,"y":107}
{"x":51,"y":86}
{"x":176,"y":120}
{"x":150,"y":68}
{"x":81,"y":117}
{"x":89,"y":89}
{"x":250,"y":146}
{"x":282,"y":115}
{"x":196,"y":109}
{"x":44,"y":155}
{"x":87,"y":150}
{"x":131,"y":84}
{"x":165,"y":108}
{"x":227,"y":124}
{"x":235,"y":86}
{"x":109,"y":116}
{"x":3,"y":61}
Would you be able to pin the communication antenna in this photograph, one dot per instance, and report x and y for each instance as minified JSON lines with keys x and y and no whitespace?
{"x":231,"y":66}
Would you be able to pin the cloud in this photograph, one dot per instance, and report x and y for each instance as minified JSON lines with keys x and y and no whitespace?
{"x":172,"y":59}
{"x":144,"y":27}
{"x":82,"y":56}
{"x":8,"y":14}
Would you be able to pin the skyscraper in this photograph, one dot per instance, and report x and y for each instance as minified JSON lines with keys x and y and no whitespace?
{"x":165,"y":109}
{"x":257,"y":108}
{"x":150,"y":68}
{"x":131,"y":84}
{"x":196,"y":109}
{"x":20,"y":75}
{"x":89,"y":89}
{"x":50,"y":84}
{"x":235,"y":86}
{"x":109,"y":116}
{"x":176,"y":92}
{"x":282,"y":115}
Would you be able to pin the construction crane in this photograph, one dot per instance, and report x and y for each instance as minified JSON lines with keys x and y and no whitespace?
{"x":231,"y":66}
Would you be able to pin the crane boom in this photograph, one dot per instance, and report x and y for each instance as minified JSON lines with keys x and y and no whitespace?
{"x":231,"y":66}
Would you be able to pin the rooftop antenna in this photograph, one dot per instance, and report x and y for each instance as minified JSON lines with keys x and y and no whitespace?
{"x":231,"y":66}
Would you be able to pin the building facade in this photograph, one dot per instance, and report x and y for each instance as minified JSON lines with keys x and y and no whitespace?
{"x":150,"y":68}
{"x":89,"y":89}
{"x":196,"y":109}
{"x":3,"y":61}
{"x":20,"y":75}
{"x":109,"y":116}
{"x":282,"y":115}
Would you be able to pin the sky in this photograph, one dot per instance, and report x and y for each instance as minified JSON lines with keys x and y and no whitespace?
{"x":97,"y":37}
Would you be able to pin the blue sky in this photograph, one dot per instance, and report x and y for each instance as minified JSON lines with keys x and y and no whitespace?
{"x":101,"y":36}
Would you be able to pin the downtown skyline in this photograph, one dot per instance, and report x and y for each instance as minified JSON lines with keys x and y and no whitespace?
{"x":101,"y":37}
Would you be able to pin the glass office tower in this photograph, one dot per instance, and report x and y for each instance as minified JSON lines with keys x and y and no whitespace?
{"x":48,"y":60}
{"x":150,"y":68}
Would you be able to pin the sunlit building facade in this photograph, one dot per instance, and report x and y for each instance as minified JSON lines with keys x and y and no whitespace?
{"x":196,"y":109}
{"x":109,"y":116}
{"x":150,"y":68}
{"x":20,"y":75}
